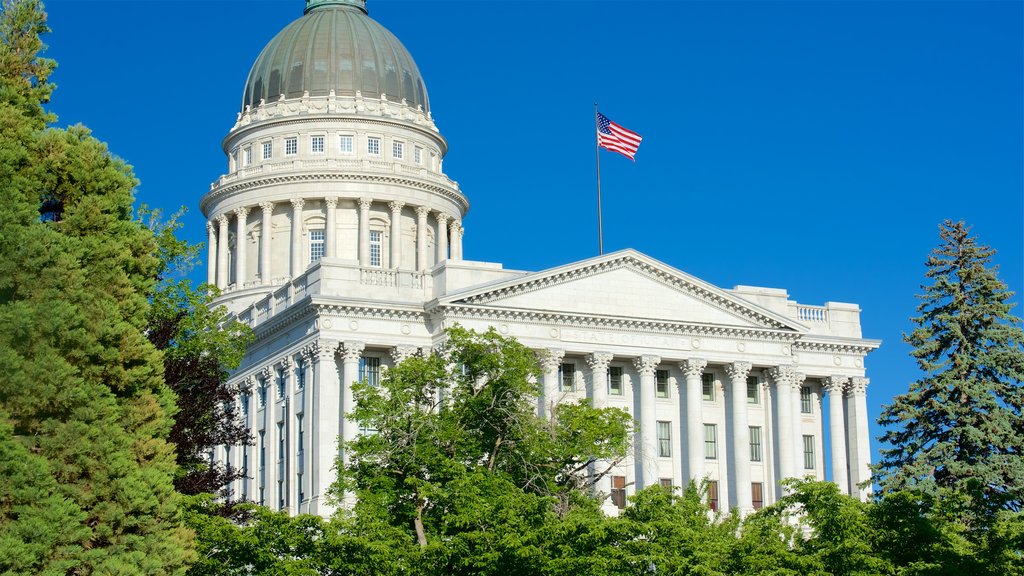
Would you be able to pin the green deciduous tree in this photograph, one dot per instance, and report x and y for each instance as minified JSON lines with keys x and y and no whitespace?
{"x":960,"y":427}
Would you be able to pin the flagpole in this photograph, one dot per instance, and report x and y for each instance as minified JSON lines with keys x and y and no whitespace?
{"x":597,"y":150}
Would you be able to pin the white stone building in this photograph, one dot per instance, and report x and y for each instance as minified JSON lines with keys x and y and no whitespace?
{"x":337,"y":236}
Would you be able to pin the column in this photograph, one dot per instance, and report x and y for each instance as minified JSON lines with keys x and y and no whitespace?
{"x":646,"y":453}
{"x":331,"y":229}
{"x":364,"y":231}
{"x":455,"y":229}
{"x":211,"y":253}
{"x":240,"y":256}
{"x":400,"y":353}
{"x":222,"y":252}
{"x":859,"y":440}
{"x":834,"y":387}
{"x":265,"y":233}
{"x":693,"y":370}
{"x":421,"y":237}
{"x":740,"y":457}
{"x":296,"y":257}
{"x":549,"y":362}
{"x":323,"y":425}
{"x":442,"y":237}
{"x":783,"y":377}
{"x":351,"y":352}
{"x":396,"y":234}
{"x":598,"y":363}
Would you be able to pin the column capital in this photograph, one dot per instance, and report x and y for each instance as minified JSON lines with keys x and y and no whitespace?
{"x":835,"y":384}
{"x":311,"y":351}
{"x":267,"y":207}
{"x":331,"y":202}
{"x":352,"y":350}
{"x":798,"y":379}
{"x":285,"y":363}
{"x":297,"y":203}
{"x":222,"y":220}
{"x":455,"y":225}
{"x":247,"y":383}
{"x":422,"y":212}
{"x":210,"y":228}
{"x":442,"y":218}
{"x":738,"y":370}
{"x":550,"y":359}
{"x":265,"y":374}
{"x":395,"y":205}
{"x":858,"y":386}
{"x":782,"y":375}
{"x":327,"y":349}
{"x":400,"y":353}
{"x":364,"y":203}
{"x":646,"y":364}
{"x":242,"y":212}
{"x":599,"y":360}
{"x":693,"y":367}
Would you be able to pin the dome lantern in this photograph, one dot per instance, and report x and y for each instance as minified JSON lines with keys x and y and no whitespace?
{"x":313,"y":4}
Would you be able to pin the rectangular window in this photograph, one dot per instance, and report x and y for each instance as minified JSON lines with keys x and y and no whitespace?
{"x":665,"y":483}
{"x":247,"y":155}
{"x":373,"y":146}
{"x":808,"y":452}
{"x":707,"y":384}
{"x":805,"y":400}
{"x":262,"y":394}
{"x":291,"y":146}
{"x":713,"y":495}
{"x":753,"y":392}
{"x":397,"y":150}
{"x":280,"y":383}
{"x":345,"y":144}
{"x":661,"y":383}
{"x":268,"y":150}
{"x":710,"y":441}
{"x":280,"y":465}
{"x":317,"y":245}
{"x":300,"y":374}
{"x":300,"y":459}
{"x":316,"y":144}
{"x":566,"y":377}
{"x":615,"y":381}
{"x":245,"y":398}
{"x":417,"y":155}
{"x":757,"y":495}
{"x":664,"y":439}
{"x":263,"y":466}
{"x":245,"y":471}
{"x":755,"y":443}
{"x":619,"y":491}
{"x":375,"y":243}
{"x":369,"y":370}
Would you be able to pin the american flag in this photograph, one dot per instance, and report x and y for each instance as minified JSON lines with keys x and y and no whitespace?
{"x":611,"y":136}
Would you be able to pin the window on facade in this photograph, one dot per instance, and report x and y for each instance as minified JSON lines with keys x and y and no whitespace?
{"x":245,"y":471}
{"x":755,"y":443}
{"x":615,"y":381}
{"x":397,"y":150}
{"x":707,"y":384}
{"x":713,"y":495}
{"x":373,"y":146}
{"x":291,"y":146}
{"x":664,"y":439}
{"x":263,"y":466}
{"x":805,"y":400}
{"x":245,"y":399}
{"x":567,"y":377}
{"x":808,"y":452}
{"x":268,"y":150}
{"x":753,"y":394}
{"x":317,"y":245}
{"x":300,"y":374}
{"x":280,"y":465}
{"x":247,"y":156}
{"x":316,"y":144}
{"x":757,"y":495}
{"x":619,"y":491}
{"x":345,"y":144}
{"x":300,"y":457}
{"x":375,"y":248}
{"x":661,"y":383}
{"x":417,"y":155}
{"x":262,"y":394}
{"x":280,"y":383}
{"x":665,"y":483}
{"x":369,"y":370}
{"x":710,"y":441}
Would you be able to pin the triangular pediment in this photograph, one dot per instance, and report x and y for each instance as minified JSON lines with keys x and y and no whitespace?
{"x":624,"y":284}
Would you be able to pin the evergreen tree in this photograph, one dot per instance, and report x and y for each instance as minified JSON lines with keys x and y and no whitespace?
{"x":960,"y":427}
{"x":84,"y":412}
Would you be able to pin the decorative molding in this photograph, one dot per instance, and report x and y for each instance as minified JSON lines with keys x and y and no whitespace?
{"x":646,"y":364}
{"x":599,"y":361}
{"x":693,"y":367}
{"x":858,"y":348}
{"x":738,"y":371}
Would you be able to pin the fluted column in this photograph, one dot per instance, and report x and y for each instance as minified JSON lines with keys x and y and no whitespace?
{"x":834,"y":386}
{"x":783,"y":377}
{"x":693,"y":370}
{"x":331,"y":229}
{"x":455,"y":228}
{"x":296,"y":258}
{"x":740,"y":449}
{"x":211,"y":253}
{"x":396,"y":233}
{"x":222,"y":251}
{"x":860,"y":442}
{"x":647,"y":452}
{"x":364,"y":231}
{"x":442,"y":237}
{"x":267,"y":209}
{"x":240,"y":256}
{"x":421,"y":237}
{"x":549,"y":362}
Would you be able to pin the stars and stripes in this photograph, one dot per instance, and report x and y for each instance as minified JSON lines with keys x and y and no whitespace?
{"x":611,"y":136}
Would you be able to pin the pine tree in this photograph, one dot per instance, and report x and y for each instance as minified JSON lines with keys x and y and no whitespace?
{"x":84,"y":411}
{"x":960,"y":427}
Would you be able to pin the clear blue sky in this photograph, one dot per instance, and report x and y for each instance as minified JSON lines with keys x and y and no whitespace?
{"x":812,"y":146}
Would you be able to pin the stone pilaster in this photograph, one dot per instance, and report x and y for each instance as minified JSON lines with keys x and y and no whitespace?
{"x":740,"y":449}
{"x":693,"y":370}
{"x":646,"y":454}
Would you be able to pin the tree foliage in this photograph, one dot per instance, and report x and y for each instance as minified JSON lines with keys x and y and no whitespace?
{"x":960,"y":428}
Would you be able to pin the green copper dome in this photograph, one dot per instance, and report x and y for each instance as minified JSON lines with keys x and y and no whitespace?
{"x":335,"y":46}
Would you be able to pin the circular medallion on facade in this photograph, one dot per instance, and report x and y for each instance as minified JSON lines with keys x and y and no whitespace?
{"x":503,"y":328}
{"x":858,"y":363}
{"x":406,"y":329}
{"x":786,"y":349}
{"x":328,"y":324}
{"x":741,"y":346}
{"x":796,"y":358}
{"x":695,"y":343}
{"x":837,"y":360}
{"x":554,"y":332}
{"x":353,"y":325}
